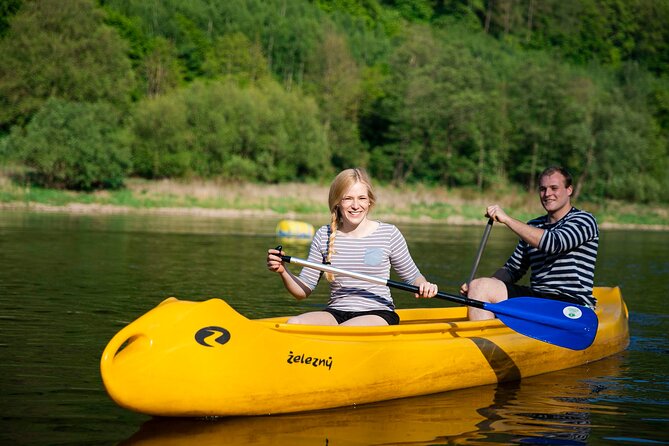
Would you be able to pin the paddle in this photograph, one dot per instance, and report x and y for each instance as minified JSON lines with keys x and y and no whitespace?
{"x":484,"y":240}
{"x":559,"y":323}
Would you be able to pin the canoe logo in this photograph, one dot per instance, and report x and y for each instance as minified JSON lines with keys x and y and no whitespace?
{"x":572,"y":312}
{"x":301,"y":358}
{"x":204,"y":333}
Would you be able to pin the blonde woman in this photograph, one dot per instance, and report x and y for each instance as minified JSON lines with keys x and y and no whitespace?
{"x":353,"y":242}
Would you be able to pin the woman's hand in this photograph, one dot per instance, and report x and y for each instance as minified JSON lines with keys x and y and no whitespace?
{"x":274,"y":262}
{"x":427,"y":289}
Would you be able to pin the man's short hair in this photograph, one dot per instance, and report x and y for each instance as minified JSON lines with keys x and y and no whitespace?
{"x":557,"y":169}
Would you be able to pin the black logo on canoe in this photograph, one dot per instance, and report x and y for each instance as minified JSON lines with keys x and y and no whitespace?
{"x":203,"y":333}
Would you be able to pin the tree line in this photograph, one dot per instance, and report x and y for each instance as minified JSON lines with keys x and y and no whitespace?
{"x":457,"y":93}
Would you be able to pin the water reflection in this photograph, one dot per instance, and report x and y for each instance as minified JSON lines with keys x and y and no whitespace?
{"x":547,"y":409}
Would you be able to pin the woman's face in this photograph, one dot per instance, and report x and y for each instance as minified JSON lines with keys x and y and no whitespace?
{"x":354,"y":206}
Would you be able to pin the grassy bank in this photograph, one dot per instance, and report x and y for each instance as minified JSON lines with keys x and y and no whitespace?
{"x":419,"y":203}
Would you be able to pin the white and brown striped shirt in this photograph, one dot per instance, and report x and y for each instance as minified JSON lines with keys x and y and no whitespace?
{"x":372,"y":255}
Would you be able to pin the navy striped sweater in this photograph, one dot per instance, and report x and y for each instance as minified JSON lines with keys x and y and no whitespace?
{"x":564,"y":262}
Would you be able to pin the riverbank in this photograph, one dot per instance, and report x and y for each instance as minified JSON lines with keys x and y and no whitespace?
{"x":308,"y":202}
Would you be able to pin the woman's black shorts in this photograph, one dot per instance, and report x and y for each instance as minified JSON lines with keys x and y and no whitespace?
{"x":342,"y":316}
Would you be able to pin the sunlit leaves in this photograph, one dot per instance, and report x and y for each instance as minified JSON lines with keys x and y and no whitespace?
{"x":257,"y":132}
{"x":73,"y":145}
{"x":60,"y":49}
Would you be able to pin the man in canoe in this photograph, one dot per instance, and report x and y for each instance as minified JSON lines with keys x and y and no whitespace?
{"x":355,"y":242}
{"x":559,"y":247}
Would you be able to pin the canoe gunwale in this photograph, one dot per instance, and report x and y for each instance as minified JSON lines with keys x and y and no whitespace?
{"x":433,"y":327}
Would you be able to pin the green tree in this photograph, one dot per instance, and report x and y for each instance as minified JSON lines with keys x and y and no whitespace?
{"x":608,"y":31}
{"x":160,"y":138}
{"x":62,"y":49}
{"x":651,"y":36}
{"x":576,"y":140}
{"x":194,"y":43}
{"x":537,"y":101}
{"x":631,"y":155}
{"x":334,"y":79}
{"x":368,"y":10}
{"x":413,"y":10}
{"x":73,"y":145}
{"x":436,"y":114}
{"x":7,"y":9}
{"x":235,"y":55}
{"x":219,"y":128}
{"x":287,"y":31}
{"x":161,"y":70}
{"x":154,"y":59}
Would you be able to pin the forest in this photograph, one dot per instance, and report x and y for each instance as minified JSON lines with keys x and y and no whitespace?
{"x":454,"y":93}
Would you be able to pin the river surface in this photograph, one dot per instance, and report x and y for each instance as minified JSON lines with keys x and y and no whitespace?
{"x":68,"y":283}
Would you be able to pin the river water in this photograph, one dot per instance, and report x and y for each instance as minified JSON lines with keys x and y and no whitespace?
{"x":68,"y":283}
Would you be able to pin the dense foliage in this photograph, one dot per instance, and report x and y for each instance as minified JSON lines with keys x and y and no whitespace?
{"x":74,"y":145}
{"x":260,"y":132}
{"x":450,"y":92}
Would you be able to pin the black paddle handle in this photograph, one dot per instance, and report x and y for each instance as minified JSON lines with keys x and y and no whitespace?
{"x":379,"y":281}
{"x":479,"y":253}
{"x":440,"y":294}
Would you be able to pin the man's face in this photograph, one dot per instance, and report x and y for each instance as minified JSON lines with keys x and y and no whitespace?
{"x":555,"y":197}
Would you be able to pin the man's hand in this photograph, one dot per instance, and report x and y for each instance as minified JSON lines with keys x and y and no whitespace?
{"x":496,"y":212}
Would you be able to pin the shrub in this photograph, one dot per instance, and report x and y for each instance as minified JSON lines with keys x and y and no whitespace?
{"x":73,"y":145}
{"x":258,"y":132}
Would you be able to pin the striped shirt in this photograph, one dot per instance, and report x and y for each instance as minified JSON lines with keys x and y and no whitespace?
{"x":564,"y":262}
{"x":372,"y":255}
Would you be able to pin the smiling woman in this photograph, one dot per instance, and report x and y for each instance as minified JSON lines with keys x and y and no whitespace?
{"x":353,"y":241}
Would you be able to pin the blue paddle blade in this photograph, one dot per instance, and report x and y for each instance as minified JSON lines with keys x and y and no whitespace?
{"x":560,"y":323}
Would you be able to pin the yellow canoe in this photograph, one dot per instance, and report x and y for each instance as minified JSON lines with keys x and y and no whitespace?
{"x":187,"y":358}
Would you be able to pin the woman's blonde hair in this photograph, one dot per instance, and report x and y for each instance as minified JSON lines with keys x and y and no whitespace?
{"x":340,"y":185}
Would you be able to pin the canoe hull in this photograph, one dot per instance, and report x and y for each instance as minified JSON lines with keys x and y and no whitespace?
{"x":204,"y":359}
